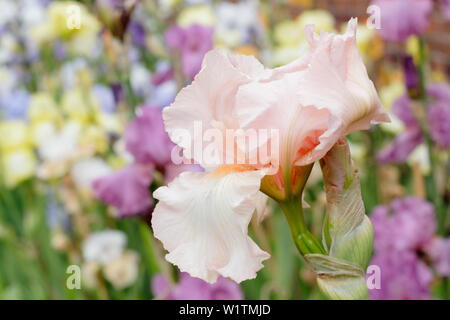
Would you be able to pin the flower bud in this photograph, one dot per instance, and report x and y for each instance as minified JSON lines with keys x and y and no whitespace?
{"x":347,"y":232}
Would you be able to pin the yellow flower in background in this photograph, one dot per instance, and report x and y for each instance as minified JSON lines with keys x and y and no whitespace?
{"x":95,"y":139}
{"x":413,"y":48}
{"x":284,"y":54}
{"x":288,"y":32}
{"x":17,"y":166}
{"x":322,"y":19}
{"x":42,"y":108}
{"x":71,"y":22}
{"x":80,"y":105}
{"x":59,"y":19}
{"x":369,"y":43}
{"x":110,"y":122}
{"x":247,"y":49}
{"x":288,"y":35}
{"x":40,"y":131}
{"x":14,"y":135}
{"x":390,"y":93}
{"x":201,"y":14}
{"x":438,"y":76}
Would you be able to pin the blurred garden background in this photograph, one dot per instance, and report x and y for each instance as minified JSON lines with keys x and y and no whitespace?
{"x":82,"y":143}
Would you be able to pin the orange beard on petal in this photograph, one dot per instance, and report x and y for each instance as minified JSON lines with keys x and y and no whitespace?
{"x":231,"y":168}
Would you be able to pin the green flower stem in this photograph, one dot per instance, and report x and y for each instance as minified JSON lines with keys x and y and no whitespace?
{"x":304,"y":240}
{"x":432,"y":191}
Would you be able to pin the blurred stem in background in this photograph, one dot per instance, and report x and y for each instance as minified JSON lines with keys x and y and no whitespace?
{"x":433,"y":192}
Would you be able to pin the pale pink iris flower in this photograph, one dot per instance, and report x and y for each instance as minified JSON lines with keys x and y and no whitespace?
{"x":202,"y":218}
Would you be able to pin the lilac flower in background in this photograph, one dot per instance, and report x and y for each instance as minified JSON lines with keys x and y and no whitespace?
{"x":164,"y":93}
{"x":192,"y":43}
{"x":439,"y":122}
{"x":147,"y":141}
{"x":403,"y":18}
{"x":404,"y":234}
{"x":146,"y":138}
{"x":411,"y":74}
{"x":137,"y":32}
{"x":438,"y":250}
{"x":164,"y":72}
{"x":164,"y":85}
{"x":403,"y":277}
{"x":117,"y":91}
{"x":56,"y":215}
{"x":127,"y":189}
{"x":105,"y":96}
{"x":445,"y":8}
{"x":189,"y":288}
{"x":14,"y":104}
{"x":438,"y":118}
{"x":407,"y":224}
{"x":439,"y":91}
{"x":405,"y":143}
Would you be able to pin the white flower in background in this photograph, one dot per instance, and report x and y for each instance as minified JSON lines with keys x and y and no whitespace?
{"x":62,"y":145}
{"x":123,"y":271}
{"x":69,"y":71}
{"x":420,"y":156}
{"x":236,"y":22}
{"x":8,"y":80}
{"x":8,"y":47}
{"x":140,"y":78}
{"x":31,"y":12}
{"x":8,"y":11}
{"x":104,"y":246}
{"x":18,"y":166}
{"x":201,"y":14}
{"x":85,"y":171}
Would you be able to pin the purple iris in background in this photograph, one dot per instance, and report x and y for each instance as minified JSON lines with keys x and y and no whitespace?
{"x":14,"y":104}
{"x":128,"y":189}
{"x":192,"y":43}
{"x":438,"y":123}
{"x":137,"y":33}
{"x":403,"y":18}
{"x":445,"y":8}
{"x":105,"y":96}
{"x":189,"y":288}
{"x":404,"y":235}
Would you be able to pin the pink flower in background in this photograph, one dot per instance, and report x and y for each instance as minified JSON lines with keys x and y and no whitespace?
{"x":189,"y":288}
{"x":438,"y":118}
{"x":407,"y":224}
{"x":192,"y":43}
{"x":146,"y":138}
{"x":445,"y":8}
{"x":129,"y":188}
{"x":126,"y":189}
{"x":403,"y":277}
{"x":312,"y":102}
{"x":404,"y":233}
{"x":403,"y":18}
{"x":438,"y":250}
{"x":439,"y":114}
